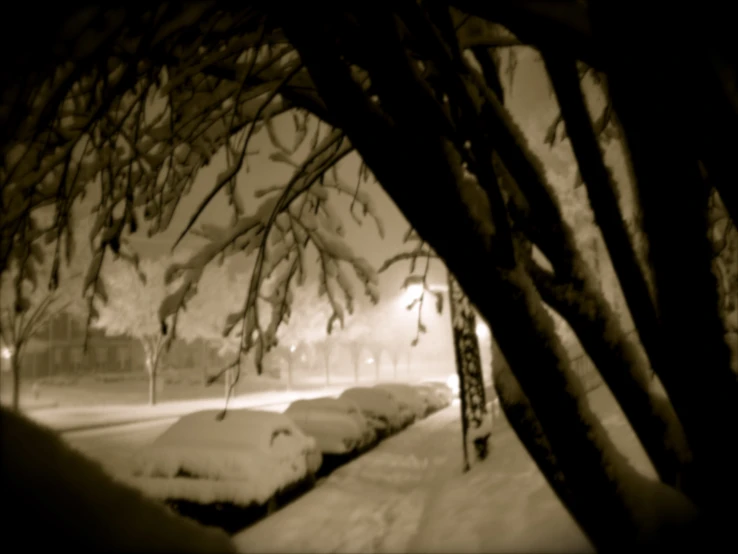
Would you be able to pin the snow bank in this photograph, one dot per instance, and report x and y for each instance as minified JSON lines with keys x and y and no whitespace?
{"x":378,"y":407}
{"x":334,"y":432}
{"x":56,"y":500}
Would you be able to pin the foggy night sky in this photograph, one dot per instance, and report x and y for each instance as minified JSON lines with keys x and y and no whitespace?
{"x":532,"y":105}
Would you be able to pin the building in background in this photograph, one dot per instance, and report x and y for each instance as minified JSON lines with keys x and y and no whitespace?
{"x":58,"y":349}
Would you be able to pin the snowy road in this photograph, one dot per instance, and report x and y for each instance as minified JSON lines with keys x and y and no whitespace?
{"x":114,"y":446}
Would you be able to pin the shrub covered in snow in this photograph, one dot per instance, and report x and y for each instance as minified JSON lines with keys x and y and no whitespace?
{"x":55,"y":499}
{"x":381,"y":410}
{"x":343,"y":406}
{"x":243,"y":459}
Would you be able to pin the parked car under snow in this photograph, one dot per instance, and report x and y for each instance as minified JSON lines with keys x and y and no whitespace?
{"x":227,"y":472}
{"x":444,"y":392}
{"x":408,"y":398}
{"x":434,"y":398}
{"x":358,"y":436}
{"x":379,"y":407}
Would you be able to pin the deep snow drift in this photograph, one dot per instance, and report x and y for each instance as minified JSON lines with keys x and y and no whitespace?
{"x":55,"y":499}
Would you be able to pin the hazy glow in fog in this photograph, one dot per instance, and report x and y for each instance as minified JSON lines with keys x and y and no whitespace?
{"x":482,"y":330}
{"x":412,"y":293}
{"x":453,"y":383}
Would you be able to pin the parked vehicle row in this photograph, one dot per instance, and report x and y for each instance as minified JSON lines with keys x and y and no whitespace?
{"x":231,"y":471}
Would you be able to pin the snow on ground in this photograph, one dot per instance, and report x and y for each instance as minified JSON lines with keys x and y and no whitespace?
{"x":57,"y":500}
{"x":372,"y":504}
{"x":409,"y":495}
{"x":114,"y":448}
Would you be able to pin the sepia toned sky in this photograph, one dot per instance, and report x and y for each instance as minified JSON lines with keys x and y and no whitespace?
{"x":532,"y":105}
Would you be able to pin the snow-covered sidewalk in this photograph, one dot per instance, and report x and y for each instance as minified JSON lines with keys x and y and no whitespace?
{"x":78,"y":418}
{"x":409,"y":495}
{"x":372,"y":504}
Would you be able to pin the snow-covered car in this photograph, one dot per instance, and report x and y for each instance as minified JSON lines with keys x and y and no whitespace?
{"x":379,"y":407}
{"x":409,"y":399}
{"x":434,"y":397}
{"x":247,"y":459}
{"x":344,"y":407}
{"x":443,"y":390}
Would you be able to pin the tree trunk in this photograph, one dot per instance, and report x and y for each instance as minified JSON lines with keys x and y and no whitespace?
{"x":469,"y":369}
{"x":356,"y":360}
{"x":16,"y":376}
{"x":395,"y":363}
{"x":290,"y":364}
{"x":377,"y":357}
{"x":413,"y":149}
{"x":152,"y":384}
{"x":227,"y":382}
{"x":519,"y":412}
{"x":623,"y":367}
{"x":667,"y":150}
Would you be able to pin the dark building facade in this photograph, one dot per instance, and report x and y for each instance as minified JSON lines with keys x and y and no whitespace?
{"x":58,"y":349}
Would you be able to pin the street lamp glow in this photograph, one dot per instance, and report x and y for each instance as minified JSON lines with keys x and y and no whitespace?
{"x":412,"y":293}
{"x":293,"y":348}
{"x":370,"y":360}
{"x":453,"y":383}
{"x":482,"y":330}
{"x":6,"y":353}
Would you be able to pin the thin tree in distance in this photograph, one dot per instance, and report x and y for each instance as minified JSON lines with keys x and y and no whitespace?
{"x":132,"y":309}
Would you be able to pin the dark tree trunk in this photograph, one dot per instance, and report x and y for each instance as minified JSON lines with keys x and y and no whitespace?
{"x":16,"y":376}
{"x":666,"y":153}
{"x":152,"y":385}
{"x":519,"y":412}
{"x":327,"y":369}
{"x":469,"y":369}
{"x":623,"y":367}
{"x":377,"y":354}
{"x":355,"y":351}
{"x":290,"y":367}
{"x":411,"y":146}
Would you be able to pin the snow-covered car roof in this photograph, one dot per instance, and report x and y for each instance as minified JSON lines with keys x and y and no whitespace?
{"x":375,"y":402}
{"x":405,"y":394}
{"x":334,"y":432}
{"x":245,"y":457}
{"x":241,"y":429}
{"x":344,"y":405}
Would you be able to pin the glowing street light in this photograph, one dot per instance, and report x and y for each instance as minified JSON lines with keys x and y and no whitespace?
{"x":412,"y":293}
{"x":482,"y":330}
{"x":293,"y":348}
{"x":6,"y":353}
